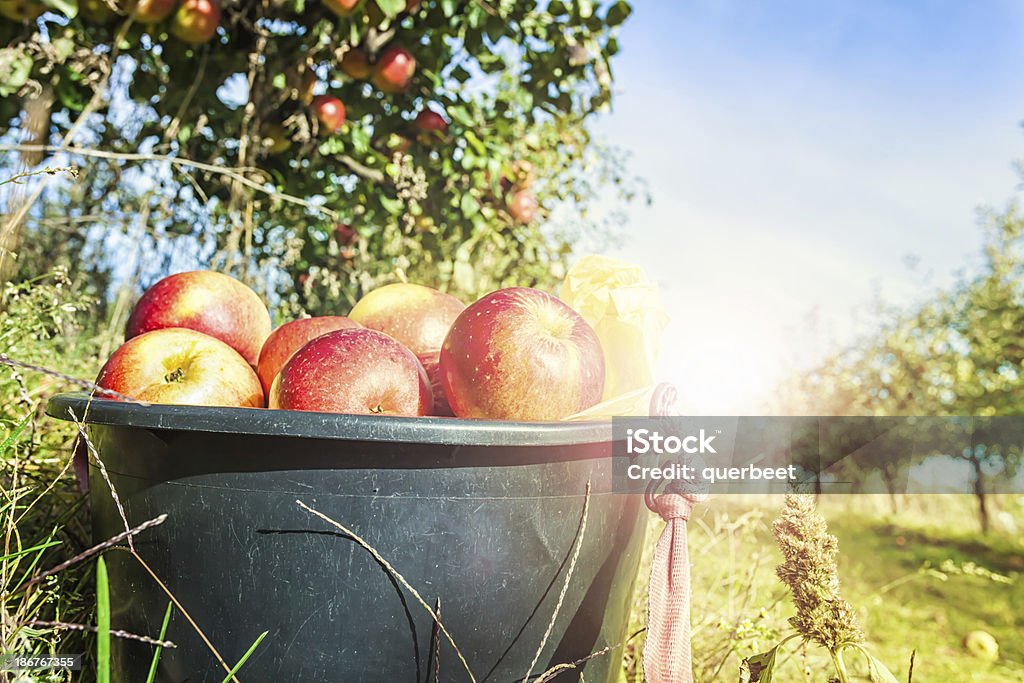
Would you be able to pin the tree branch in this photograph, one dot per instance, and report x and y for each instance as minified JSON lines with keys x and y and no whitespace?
{"x":232,"y":173}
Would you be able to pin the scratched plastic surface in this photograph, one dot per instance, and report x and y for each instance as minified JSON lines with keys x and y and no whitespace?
{"x":480,"y":516}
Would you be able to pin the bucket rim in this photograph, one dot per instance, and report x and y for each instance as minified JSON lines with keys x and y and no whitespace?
{"x":452,"y":431}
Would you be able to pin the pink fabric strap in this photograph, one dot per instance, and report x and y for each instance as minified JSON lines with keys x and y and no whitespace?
{"x":667,"y":648}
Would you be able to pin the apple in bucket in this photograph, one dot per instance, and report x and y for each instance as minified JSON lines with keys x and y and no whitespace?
{"x":357,"y":371}
{"x":183,"y":367}
{"x":418,"y":317}
{"x":292,"y":336}
{"x":207,"y":302}
{"x":521,"y":354}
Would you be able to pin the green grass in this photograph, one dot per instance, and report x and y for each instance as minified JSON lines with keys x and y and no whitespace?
{"x":920,"y":580}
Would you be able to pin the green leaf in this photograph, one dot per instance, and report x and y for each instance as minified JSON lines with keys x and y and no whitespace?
{"x":159,"y":648}
{"x":279,"y":81}
{"x":68,"y":8}
{"x":469,"y":205}
{"x":102,"y":622}
{"x":760,"y":667}
{"x":16,"y":68}
{"x":245,"y":657}
{"x":618,"y":13}
{"x":391,"y":8}
{"x":878,"y":672}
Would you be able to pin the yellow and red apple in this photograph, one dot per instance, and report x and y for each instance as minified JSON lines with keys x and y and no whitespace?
{"x":196,"y":21}
{"x":289,"y":338}
{"x":152,"y":11}
{"x":207,"y":302}
{"x":357,"y":371}
{"x":522,"y":205}
{"x":521,"y":354}
{"x":183,"y":367}
{"x":419,"y":318}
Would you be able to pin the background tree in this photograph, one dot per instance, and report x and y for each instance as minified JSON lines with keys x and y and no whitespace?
{"x":959,"y":353}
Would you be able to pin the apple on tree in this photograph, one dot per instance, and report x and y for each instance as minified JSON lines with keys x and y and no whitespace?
{"x":183,"y":367}
{"x":357,"y":371}
{"x":395,"y":69}
{"x":418,"y":317}
{"x":329,"y":111}
{"x":289,"y":338}
{"x":522,"y":205}
{"x":196,"y":21}
{"x":521,"y":354}
{"x":343,"y":8}
{"x":208,"y":302}
{"x":430,"y":124}
{"x":356,"y":64}
{"x":152,"y":11}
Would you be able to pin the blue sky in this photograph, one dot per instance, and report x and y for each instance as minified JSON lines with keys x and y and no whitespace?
{"x":798,"y":153}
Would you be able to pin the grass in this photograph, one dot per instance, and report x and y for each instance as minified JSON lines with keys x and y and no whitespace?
{"x":921,"y":580}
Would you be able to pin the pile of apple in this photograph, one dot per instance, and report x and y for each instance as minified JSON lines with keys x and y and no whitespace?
{"x":203,"y":338}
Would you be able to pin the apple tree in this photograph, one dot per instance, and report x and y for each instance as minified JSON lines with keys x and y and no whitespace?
{"x":316,"y":148}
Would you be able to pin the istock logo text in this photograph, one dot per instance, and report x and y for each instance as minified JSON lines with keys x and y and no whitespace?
{"x":641,"y":441}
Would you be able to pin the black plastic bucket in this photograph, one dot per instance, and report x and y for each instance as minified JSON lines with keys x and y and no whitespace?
{"x":480,"y":515}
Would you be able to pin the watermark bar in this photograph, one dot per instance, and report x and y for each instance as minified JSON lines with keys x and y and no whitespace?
{"x":16,"y":662}
{"x":819,"y":454}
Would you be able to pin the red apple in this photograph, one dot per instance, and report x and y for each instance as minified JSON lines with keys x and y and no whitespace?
{"x":353,"y":371}
{"x":342,"y":8}
{"x":182,"y":367}
{"x":289,"y":338}
{"x":356,"y":64}
{"x":153,"y":11}
{"x":329,"y":111}
{"x":208,"y":302}
{"x":429,"y":121}
{"x":196,"y":21}
{"x":419,"y":317}
{"x":344,"y":234}
{"x":522,"y":206}
{"x":521,"y":354}
{"x":395,"y":68}
{"x":430,"y":124}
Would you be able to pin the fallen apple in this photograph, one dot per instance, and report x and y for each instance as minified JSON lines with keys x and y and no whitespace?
{"x":357,"y":371}
{"x":208,"y":302}
{"x":521,"y":354}
{"x":419,"y":318}
{"x":182,"y":367}
{"x":289,"y":338}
